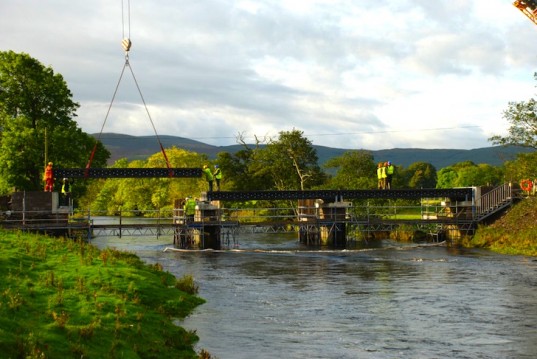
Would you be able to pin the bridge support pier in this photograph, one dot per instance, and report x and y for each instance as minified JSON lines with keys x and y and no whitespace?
{"x":325,"y":223}
{"x":208,"y":215}
{"x":203,"y":231}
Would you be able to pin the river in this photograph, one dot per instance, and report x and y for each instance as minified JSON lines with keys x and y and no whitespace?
{"x":272,"y":298}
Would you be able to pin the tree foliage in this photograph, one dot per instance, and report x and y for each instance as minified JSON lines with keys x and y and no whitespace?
{"x":290,"y":162}
{"x":468,"y":174}
{"x":523,"y":167}
{"x":355,"y":170}
{"x":37,"y":126}
{"x":522,"y":117}
{"x":287,"y":163}
{"x":146,"y":194}
{"x":420,"y":175}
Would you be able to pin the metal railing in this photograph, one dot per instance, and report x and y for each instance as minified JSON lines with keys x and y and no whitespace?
{"x":492,"y":201}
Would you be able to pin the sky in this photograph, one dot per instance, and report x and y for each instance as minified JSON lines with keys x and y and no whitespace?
{"x":353,"y":74}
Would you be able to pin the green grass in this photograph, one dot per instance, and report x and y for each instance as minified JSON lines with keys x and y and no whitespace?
{"x":61,"y":298}
{"x":515,"y":233}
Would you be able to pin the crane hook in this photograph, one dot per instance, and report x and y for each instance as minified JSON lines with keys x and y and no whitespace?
{"x":126,"y":43}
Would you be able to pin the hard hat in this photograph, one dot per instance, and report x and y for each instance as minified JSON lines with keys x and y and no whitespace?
{"x":215,"y":166}
{"x":50,"y":163}
{"x":389,"y":163}
{"x":204,"y":166}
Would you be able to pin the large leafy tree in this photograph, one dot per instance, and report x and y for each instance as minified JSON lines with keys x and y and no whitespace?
{"x":420,"y":175}
{"x":290,"y":161}
{"x":239,"y":170}
{"x":36,"y":124}
{"x":355,"y":170}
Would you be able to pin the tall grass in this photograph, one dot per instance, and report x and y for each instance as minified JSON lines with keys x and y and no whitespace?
{"x":62,"y":298}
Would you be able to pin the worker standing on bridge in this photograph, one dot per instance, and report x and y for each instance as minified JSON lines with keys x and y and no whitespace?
{"x":208,"y":177}
{"x":381,"y":175}
{"x":49,"y":178}
{"x":66,"y":192}
{"x":217,"y":176}
{"x":189,"y":209}
{"x":390,"y":170}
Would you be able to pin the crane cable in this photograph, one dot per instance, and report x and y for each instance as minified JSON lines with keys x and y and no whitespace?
{"x":126,"y":43}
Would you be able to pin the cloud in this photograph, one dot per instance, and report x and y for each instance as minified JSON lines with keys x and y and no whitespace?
{"x":368,"y":74}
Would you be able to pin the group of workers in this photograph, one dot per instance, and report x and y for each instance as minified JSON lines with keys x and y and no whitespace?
{"x":385,"y":171}
{"x":211,"y":177}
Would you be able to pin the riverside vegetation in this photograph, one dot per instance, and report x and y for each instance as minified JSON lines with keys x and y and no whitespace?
{"x":62,"y":298}
{"x":514,"y":233}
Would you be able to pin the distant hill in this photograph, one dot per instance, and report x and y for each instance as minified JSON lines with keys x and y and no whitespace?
{"x":141,"y":147}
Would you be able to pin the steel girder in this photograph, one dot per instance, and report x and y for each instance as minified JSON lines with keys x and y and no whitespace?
{"x":461,"y":194}
{"x":127,"y":172}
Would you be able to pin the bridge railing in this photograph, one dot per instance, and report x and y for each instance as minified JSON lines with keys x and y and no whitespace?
{"x":493,"y":200}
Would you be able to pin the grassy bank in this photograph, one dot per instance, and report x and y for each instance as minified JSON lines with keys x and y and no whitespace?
{"x":66,"y":299}
{"x":514,"y":233}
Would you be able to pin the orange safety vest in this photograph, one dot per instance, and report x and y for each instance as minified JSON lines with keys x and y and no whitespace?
{"x":48,"y":173}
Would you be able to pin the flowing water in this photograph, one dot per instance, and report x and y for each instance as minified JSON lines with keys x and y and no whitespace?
{"x":272,"y":298}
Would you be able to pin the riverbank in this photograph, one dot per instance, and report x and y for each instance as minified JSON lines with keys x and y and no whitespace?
{"x":514,"y":233}
{"x":63,"y":298}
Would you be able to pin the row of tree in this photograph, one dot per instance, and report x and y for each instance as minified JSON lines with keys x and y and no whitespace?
{"x":37,"y":125}
{"x":274,"y":166}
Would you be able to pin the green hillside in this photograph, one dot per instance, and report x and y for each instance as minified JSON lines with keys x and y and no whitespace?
{"x":141,"y":147}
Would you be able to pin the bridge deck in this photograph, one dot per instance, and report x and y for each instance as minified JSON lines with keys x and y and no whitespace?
{"x":455,"y":194}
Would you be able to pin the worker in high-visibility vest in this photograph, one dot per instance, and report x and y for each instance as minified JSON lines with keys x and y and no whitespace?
{"x":49,"y":178}
{"x":66,"y":192}
{"x":208,"y":177}
{"x":217,"y":176}
{"x":390,"y":170}
{"x":189,"y":209}
{"x":381,"y":175}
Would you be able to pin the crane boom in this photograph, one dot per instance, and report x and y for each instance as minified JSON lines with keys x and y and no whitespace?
{"x":528,"y":8}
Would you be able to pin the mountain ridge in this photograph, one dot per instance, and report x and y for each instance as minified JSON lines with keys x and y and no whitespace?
{"x":141,"y":147}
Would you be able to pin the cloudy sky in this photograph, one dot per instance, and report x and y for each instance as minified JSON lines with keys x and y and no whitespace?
{"x":368,"y":74}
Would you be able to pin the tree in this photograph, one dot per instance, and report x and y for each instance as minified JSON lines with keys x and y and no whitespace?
{"x":37,"y":126}
{"x":524,"y":167}
{"x":447,"y":178}
{"x":355,"y":170}
{"x":523,"y":119}
{"x":237,"y":170}
{"x":468,"y":174}
{"x":290,"y":161}
{"x":420,"y":175}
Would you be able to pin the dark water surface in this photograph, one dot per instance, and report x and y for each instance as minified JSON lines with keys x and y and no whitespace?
{"x":274,"y":299}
